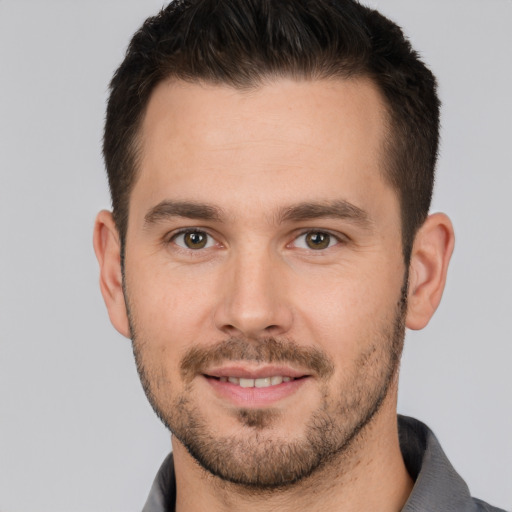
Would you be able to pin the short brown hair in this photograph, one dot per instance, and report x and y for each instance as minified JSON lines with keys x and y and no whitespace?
{"x":242,"y":42}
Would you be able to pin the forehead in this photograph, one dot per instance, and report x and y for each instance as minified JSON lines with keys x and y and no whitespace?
{"x":323,"y":137}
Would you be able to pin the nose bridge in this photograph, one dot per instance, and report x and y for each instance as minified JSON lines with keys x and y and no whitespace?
{"x":253,"y":302}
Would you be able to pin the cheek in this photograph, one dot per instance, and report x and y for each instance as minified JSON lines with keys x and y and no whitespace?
{"x":168,"y":306}
{"x":348,"y":312}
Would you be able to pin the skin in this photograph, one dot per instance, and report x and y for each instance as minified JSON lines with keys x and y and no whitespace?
{"x":252,"y":156}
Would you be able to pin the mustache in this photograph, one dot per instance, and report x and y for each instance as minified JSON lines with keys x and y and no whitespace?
{"x":266,"y":350}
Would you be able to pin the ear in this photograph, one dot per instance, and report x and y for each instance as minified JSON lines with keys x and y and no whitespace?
{"x":108,"y":252}
{"x":431,"y":253}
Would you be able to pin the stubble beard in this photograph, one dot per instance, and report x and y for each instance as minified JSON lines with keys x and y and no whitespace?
{"x":256,"y":459}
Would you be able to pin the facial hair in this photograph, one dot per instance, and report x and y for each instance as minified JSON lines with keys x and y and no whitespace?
{"x":257,"y":458}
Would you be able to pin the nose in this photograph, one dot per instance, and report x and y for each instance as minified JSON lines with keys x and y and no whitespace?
{"x":252,"y":298}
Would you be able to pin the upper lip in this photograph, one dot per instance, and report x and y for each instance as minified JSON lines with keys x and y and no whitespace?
{"x":258,"y":372}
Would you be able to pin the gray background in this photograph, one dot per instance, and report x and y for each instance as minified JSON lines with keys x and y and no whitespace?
{"x":76,"y":433}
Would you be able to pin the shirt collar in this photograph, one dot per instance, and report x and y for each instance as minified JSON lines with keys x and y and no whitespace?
{"x":437,"y":486}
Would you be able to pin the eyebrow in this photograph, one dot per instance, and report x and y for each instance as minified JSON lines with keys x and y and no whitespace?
{"x":339,"y":209}
{"x":168,"y":209}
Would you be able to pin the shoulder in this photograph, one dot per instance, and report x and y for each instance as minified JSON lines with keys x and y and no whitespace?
{"x":481,"y":506}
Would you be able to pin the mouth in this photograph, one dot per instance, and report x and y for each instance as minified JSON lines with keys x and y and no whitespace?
{"x":259,"y":387}
{"x":262,"y":382}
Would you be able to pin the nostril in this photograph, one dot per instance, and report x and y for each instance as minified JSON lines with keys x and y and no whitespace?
{"x":231,"y":330}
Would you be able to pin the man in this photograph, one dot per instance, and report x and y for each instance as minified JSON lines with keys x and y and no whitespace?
{"x":271,"y":167}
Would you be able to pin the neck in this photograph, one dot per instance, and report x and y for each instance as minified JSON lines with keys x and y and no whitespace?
{"x":369,"y":475}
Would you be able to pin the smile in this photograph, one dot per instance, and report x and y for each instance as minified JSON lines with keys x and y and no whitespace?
{"x":246,"y":385}
{"x":263,"y":382}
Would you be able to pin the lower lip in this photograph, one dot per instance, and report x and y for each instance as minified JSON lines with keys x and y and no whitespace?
{"x":255,"y":397}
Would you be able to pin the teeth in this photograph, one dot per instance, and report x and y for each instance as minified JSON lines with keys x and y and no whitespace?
{"x":263,"y":382}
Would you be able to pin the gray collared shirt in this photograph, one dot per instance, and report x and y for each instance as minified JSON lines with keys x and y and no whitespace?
{"x":437,"y":487}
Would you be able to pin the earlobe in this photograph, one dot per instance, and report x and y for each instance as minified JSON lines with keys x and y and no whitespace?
{"x":108,"y":252}
{"x":431,"y":253}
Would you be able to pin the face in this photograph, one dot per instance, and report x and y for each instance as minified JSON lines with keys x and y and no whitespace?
{"x":263,"y":272}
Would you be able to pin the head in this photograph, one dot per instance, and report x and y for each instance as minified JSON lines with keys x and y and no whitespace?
{"x":271,"y":167}
{"x":245,"y":44}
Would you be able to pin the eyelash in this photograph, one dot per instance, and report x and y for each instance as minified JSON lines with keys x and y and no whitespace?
{"x":332,"y":238}
{"x":337,"y":239}
{"x":190,"y":231}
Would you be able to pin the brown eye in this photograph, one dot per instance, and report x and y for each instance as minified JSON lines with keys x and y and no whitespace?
{"x":317,"y":240}
{"x":193,"y":240}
